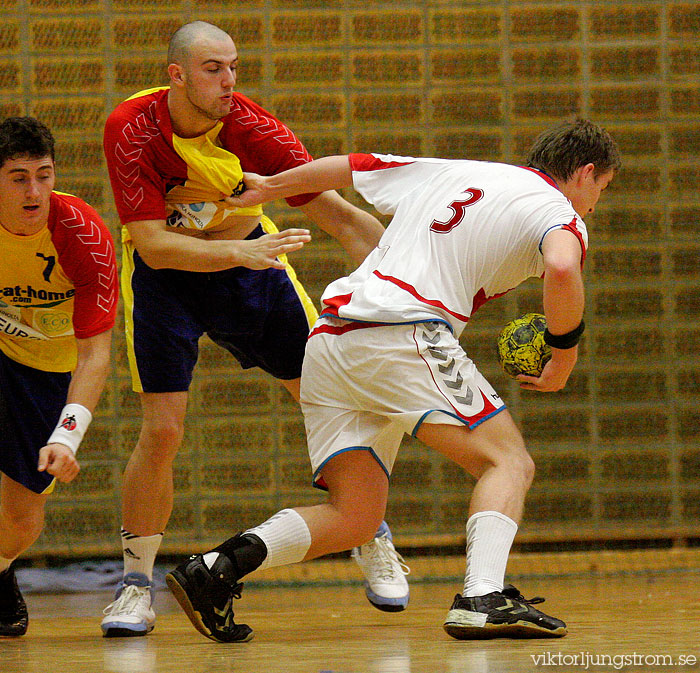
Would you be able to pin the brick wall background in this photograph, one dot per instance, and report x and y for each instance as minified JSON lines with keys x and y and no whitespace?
{"x":618,"y":451}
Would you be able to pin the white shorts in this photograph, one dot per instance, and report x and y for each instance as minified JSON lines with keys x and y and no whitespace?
{"x":363,"y":387}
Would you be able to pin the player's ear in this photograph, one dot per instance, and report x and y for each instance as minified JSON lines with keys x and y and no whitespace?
{"x":586,"y":171}
{"x":176,"y":73}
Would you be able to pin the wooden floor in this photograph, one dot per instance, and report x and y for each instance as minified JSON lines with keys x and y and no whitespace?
{"x":334,"y":629}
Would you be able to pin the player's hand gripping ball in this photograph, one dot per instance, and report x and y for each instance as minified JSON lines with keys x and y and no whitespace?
{"x":521,"y":346}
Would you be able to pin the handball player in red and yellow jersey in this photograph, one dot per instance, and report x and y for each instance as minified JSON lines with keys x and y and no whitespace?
{"x":192,"y":264}
{"x":58,"y":299}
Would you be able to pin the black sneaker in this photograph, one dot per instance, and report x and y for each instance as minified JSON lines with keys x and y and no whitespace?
{"x":501,"y":614}
{"x":206,"y":595}
{"x":14,"y":618}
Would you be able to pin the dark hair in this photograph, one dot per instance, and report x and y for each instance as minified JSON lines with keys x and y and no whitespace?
{"x":572,"y":144}
{"x":24,"y":137}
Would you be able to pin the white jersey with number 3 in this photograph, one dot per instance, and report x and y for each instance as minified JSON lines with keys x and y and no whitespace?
{"x":462,"y":232}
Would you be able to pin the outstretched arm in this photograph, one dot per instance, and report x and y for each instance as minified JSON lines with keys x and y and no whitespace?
{"x":355,"y":229}
{"x":563,"y":298}
{"x":320,"y":175}
{"x":161,"y":248}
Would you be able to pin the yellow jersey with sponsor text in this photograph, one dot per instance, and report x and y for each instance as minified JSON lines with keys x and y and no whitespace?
{"x":55,"y":285}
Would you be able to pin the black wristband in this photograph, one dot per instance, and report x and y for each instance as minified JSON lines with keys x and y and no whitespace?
{"x":564,"y":341}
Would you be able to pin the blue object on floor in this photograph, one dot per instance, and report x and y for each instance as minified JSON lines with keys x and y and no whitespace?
{"x":78,"y":578}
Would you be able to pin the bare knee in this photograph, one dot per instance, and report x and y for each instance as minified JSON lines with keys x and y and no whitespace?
{"x":519,"y":463}
{"x":19,"y":529}
{"x":365,"y":529}
{"x":526,"y":467}
{"x":359,"y":519}
{"x":163,"y":427}
{"x":514,"y":459}
{"x":357,"y":495}
{"x":160,"y":440}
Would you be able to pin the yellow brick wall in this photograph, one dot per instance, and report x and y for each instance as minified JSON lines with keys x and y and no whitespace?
{"x":619,"y":449}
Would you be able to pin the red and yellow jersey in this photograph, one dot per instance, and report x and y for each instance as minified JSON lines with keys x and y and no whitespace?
{"x":56,"y":285}
{"x":157,"y":175}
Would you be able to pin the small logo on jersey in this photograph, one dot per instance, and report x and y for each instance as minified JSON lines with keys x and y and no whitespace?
{"x":11,"y":324}
{"x":192,"y":215}
{"x":239,"y":189}
{"x":53,"y":323}
{"x":50,"y":263}
{"x":69,"y":423}
{"x":175,"y":219}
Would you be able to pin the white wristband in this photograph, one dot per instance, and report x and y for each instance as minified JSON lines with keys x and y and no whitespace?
{"x":75,"y":419}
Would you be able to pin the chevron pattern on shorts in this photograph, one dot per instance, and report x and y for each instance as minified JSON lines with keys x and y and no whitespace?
{"x":446,"y":364}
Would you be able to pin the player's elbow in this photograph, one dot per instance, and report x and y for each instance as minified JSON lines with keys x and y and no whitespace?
{"x":562,"y":269}
{"x":153,"y":258}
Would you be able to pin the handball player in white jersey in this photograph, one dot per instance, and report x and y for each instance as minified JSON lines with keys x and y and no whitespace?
{"x":384,"y":359}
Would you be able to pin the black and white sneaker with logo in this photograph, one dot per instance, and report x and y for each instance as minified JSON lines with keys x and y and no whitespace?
{"x":206,"y":596}
{"x":501,"y":614}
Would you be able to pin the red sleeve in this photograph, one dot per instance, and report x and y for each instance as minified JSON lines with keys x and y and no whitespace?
{"x":574,"y":229}
{"x":86,"y":253}
{"x":130,"y":143}
{"x":263,"y":144}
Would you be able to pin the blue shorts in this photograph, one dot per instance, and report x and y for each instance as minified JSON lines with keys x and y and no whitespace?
{"x":31,"y":401}
{"x":261,"y":317}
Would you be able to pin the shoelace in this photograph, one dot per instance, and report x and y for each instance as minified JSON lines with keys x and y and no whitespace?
{"x":128,"y":601}
{"x":385,"y":558}
{"x":511,"y":592}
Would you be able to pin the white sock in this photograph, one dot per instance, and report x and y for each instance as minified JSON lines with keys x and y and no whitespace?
{"x":140,"y":552}
{"x":286,"y":536}
{"x":489,"y":539}
{"x":5,"y":563}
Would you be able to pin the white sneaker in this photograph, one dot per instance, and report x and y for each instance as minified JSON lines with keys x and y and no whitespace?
{"x":130,"y":614}
{"x":385,"y":572}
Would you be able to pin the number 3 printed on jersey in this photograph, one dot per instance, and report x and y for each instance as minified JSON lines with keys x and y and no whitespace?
{"x":457,"y":207}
